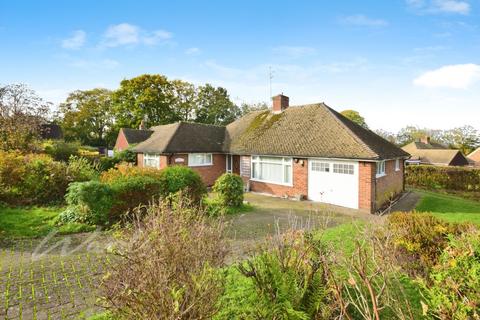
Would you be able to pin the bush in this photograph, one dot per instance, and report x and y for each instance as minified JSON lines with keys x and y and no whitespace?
{"x":455,"y":289}
{"x":123,"y":171}
{"x":167,"y":266}
{"x":61,"y":151}
{"x":229,"y":189}
{"x":449,"y":178}
{"x":181,"y":178}
{"x":81,"y":169}
{"x":88,"y":202}
{"x":418,"y":240}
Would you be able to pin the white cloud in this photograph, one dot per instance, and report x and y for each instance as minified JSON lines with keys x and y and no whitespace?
{"x":76,"y":41}
{"x":440,"y":6}
{"x":192,"y":51}
{"x":93,"y":64}
{"x":459,"y":76}
{"x":294,"y":51}
{"x":363,"y":21}
{"x":127,"y":34}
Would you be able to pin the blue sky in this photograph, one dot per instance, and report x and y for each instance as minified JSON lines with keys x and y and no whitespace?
{"x":398,"y":62}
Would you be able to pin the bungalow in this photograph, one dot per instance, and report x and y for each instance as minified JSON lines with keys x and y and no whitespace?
{"x":474,"y":158}
{"x":304,"y":152}
{"x":425,"y":151}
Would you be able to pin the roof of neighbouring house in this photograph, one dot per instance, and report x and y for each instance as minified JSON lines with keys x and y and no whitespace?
{"x":475,"y":155}
{"x":184,"y":137}
{"x":313,"y":130}
{"x":435,"y":153}
{"x":134,"y":136}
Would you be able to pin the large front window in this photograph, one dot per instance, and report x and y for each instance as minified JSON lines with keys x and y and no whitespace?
{"x":151,"y":160}
{"x":199,"y":159}
{"x":272,"y":169}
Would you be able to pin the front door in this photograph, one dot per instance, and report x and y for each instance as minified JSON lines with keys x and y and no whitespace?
{"x":229,"y":163}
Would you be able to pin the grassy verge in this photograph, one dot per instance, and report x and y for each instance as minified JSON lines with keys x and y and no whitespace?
{"x":30,"y":222}
{"x":449,"y":207}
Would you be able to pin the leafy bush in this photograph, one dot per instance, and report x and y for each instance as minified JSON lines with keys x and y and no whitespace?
{"x":125,"y":156}
{"x":81,"y":169}
{"x":229,"y":189}
{"x":455,"y":289}
{"x":180,"y":178}
{"x":123,"y":171}
{"x":449,"y":178}
{"x":88,"y":202}
{"x":61,"y":151}
{"x":418,"y":240}
{"x":167,"y":266}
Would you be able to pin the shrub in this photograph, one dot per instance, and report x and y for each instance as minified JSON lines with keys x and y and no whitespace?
{"x":418,"y":240}
{"x":449,"y":178}
{"x":167,"y":266}
{"x":61,"y":151}
{"x":81,"y":169}
{"x":180,"y":178}
{"x":123,"y":171}
{"x":88,"y":202}
{"x":125,"y":156}
{"x":455,"y":289}
{"x":229,"y":189}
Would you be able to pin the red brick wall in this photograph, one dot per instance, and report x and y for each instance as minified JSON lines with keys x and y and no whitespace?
{"x":163,"y":161}
{"x":300,"y":183}
{"x":210,"y":173}
{"x":121,"y":143}
{"x":366,"y":186}
{"x":390,"y":184}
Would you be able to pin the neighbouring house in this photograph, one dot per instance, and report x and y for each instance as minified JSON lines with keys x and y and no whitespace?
{"x":129,"y":137}
{"x":474,"y":158}
{"x":303,"y":152}
{"x":51,"y":131}
{"x":425,"y":151}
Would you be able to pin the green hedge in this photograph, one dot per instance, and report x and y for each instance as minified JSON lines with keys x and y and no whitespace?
{"x":449,"y":178}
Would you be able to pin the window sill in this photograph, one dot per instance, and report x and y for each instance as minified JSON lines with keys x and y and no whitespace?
{"x":270,"y":182}
{"x":380,"y":175}
{"x":201,"y":165}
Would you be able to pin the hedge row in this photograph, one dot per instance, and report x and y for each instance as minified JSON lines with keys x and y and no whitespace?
{"x":449,"y":178}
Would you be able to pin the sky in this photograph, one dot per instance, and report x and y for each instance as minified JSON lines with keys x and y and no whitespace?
{"x":397,"y":62}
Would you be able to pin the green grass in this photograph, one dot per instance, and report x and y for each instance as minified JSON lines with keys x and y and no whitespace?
{"x":448,"y":207}
{"x":23,"y":222}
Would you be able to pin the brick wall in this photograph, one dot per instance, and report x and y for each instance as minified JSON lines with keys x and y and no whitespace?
{"x":390,"y":184}
{"x":366,"y":186}
{"x":210,"y":173}
{"x":121,"y":143}
{"x":163,"y":161}
{"x":300,"y":183}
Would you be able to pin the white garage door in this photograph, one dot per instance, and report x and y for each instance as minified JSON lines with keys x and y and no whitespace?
{"x":334,"y":182}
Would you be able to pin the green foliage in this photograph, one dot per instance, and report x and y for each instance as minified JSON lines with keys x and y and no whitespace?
{"x":60,"y":150}
{"x":127,"y":156}
{"x":181,"y":178}
{"x":418,"y":240}
{"x":229,"y":189}
{"x":355,"y":117}
{"x":455,"y":289}
{"x":215,"y":106}
{"x":81,"y":169}
{"x":88,"y":202}
{"x":450,"y":178}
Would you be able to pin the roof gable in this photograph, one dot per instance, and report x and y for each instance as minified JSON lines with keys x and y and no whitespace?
{"x":134,"y":136}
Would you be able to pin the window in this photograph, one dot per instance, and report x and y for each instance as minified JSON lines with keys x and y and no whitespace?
{"x":397,"y":165}
{"x":272,"y":169}
{"x":380,"y":169}
{"x":320,"y":166}
{"x":199,"y":159}
{"x":343,"y":168}
{"x":151,"y":160}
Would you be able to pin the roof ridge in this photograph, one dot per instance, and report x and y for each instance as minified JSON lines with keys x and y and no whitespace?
{"x":350,"y":132}
{"x":201,"y":124}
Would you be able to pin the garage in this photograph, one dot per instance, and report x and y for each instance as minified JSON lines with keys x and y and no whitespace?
{"x":334,"y":182}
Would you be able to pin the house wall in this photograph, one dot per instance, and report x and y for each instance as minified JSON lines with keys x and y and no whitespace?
{"x":366,"y":186}
{"x":209,"y":173}
{"x":298,"y":189}
{"x":390,"y":184}
{"x":121,"y":142}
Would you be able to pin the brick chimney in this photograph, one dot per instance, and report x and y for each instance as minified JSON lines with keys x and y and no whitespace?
{"x":142,"y":125}
{"x":425,"y":139}
{"x":280,"y":103}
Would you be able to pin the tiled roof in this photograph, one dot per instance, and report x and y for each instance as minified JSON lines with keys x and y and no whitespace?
{"x":475,"y":156}
{"x":134,"y":136}
{"x":435,"y":153}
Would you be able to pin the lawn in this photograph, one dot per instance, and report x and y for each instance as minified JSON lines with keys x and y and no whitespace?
{"x":448,"y":207}
{"x":29,"y":222}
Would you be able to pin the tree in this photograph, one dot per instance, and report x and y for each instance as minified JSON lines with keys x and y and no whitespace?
{"x":149,"y":97}
{"x":355,"y":117}
{"x":465,"y":138}
{"x":184,"y":96}
{"x":214,"y":106}
{"x":247,"y":108}
{"x":414,"y":133}
{"x":22,"y":112}
{"x":389,"y":136}
{"x":87,"y":117}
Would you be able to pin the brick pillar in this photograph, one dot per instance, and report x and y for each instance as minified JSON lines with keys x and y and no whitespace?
{"x":366,"y":197}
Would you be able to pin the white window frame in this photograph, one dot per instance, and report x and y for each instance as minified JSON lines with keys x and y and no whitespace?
{"x":204,"y":164}
{"x":397,"y":164}
{"x":381,"y":169}
{"x":343,"y":168}
{"x":286,"y":161}
{"x":149,"y":157}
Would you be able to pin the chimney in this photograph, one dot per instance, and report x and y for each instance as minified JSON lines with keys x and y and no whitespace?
{"x":280,"y":103}
{"x":142,"y":125}
{"x":425,"y":139}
